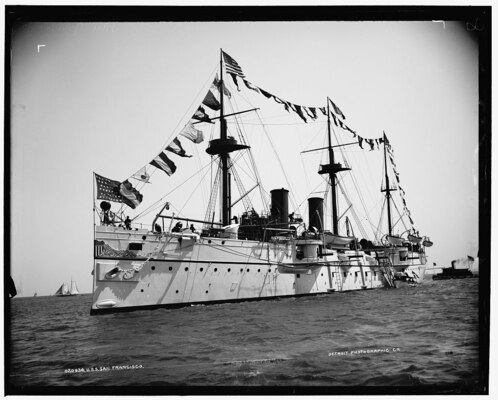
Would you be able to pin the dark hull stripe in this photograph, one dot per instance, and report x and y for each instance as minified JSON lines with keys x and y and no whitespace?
{"x":98,"y":311}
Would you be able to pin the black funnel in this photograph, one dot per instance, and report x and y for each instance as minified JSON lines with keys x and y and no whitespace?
{"x":280,"y":206}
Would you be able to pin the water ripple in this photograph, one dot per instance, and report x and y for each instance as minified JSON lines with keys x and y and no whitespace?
{"x":408,"y":337}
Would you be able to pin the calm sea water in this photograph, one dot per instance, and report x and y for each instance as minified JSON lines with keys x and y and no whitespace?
{"x":407,"y":337}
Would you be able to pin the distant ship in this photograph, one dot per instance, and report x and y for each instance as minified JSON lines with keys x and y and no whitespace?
{"x":66,"y":290}
{"x":455,"y":273}
{"x":239,"y":254}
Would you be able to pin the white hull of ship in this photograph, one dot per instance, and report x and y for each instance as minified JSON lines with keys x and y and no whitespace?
{"x":173,"y":270}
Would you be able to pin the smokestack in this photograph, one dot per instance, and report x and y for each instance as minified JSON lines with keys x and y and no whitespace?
{"x":280,"y":205}
{"x":315,"y":212}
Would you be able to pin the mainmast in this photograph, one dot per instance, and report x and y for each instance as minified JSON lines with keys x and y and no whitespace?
{"x":387,"y":190}
{"x":222,"y":147}
{"x":335,"y":228}
{"x":332,"y":168}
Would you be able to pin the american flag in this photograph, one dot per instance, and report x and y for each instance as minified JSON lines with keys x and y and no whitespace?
{"x":232,"y":66}
{"x":107,"y":189}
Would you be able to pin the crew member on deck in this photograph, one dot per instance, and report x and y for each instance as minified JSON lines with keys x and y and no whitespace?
{"x":127,"y":222}
{"x":177,"y":227}
{"x":109,"y":217}
{"x":106,"y":220}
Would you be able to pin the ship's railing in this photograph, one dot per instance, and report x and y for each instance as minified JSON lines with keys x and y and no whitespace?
{"x":188,"y":221}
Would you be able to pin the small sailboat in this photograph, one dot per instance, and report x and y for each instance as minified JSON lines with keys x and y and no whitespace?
{"x":66,"y":290}
{"x":63,"y":290}
{"x":73,"y":291}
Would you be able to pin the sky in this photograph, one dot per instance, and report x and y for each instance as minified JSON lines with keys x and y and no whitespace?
{"x":107,"y":97}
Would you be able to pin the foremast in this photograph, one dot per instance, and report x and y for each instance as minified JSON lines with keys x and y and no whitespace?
{"x":223,"y":147}
{"x":225,"y":176}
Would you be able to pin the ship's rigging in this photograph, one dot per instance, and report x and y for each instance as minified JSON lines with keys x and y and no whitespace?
{"x":233,"y":166}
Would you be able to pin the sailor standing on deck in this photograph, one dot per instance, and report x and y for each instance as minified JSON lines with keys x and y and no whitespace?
{"x":177,"y":227}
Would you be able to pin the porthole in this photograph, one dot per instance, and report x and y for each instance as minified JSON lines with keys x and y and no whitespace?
{"x":259,"y":270}
{"x":186,"y":268}
{"x":152,"y":268}
{"x":144,"y":237}
{"x":202,"y":269}
{"x":229,"y":269}
{"x":242,"y":269}
{"x":177,"y":291}
{"x":322,"y":274}
{"x":141,"y":290}
{"x":170,"y":268}
{"x":247,"y":269}
{"x":207,"y":291}
{"x":216,"y":269}
{"x":209,"y":241}
{"x":269,"y":270}
{"x":222,"y":242}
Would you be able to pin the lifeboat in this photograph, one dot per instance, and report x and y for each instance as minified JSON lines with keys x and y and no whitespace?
{"x":335,"y":241}
{"x":395,"y":240}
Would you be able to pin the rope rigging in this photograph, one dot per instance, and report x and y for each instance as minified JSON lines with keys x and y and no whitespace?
{"x":237,"y":124}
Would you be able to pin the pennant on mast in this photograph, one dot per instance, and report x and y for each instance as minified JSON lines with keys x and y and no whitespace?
{"x":176,"y":147}
{"x":142,"y":175}
{"x":163,"y":163}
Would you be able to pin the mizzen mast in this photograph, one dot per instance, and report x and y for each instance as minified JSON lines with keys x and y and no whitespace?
{"x":387,"y":190}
